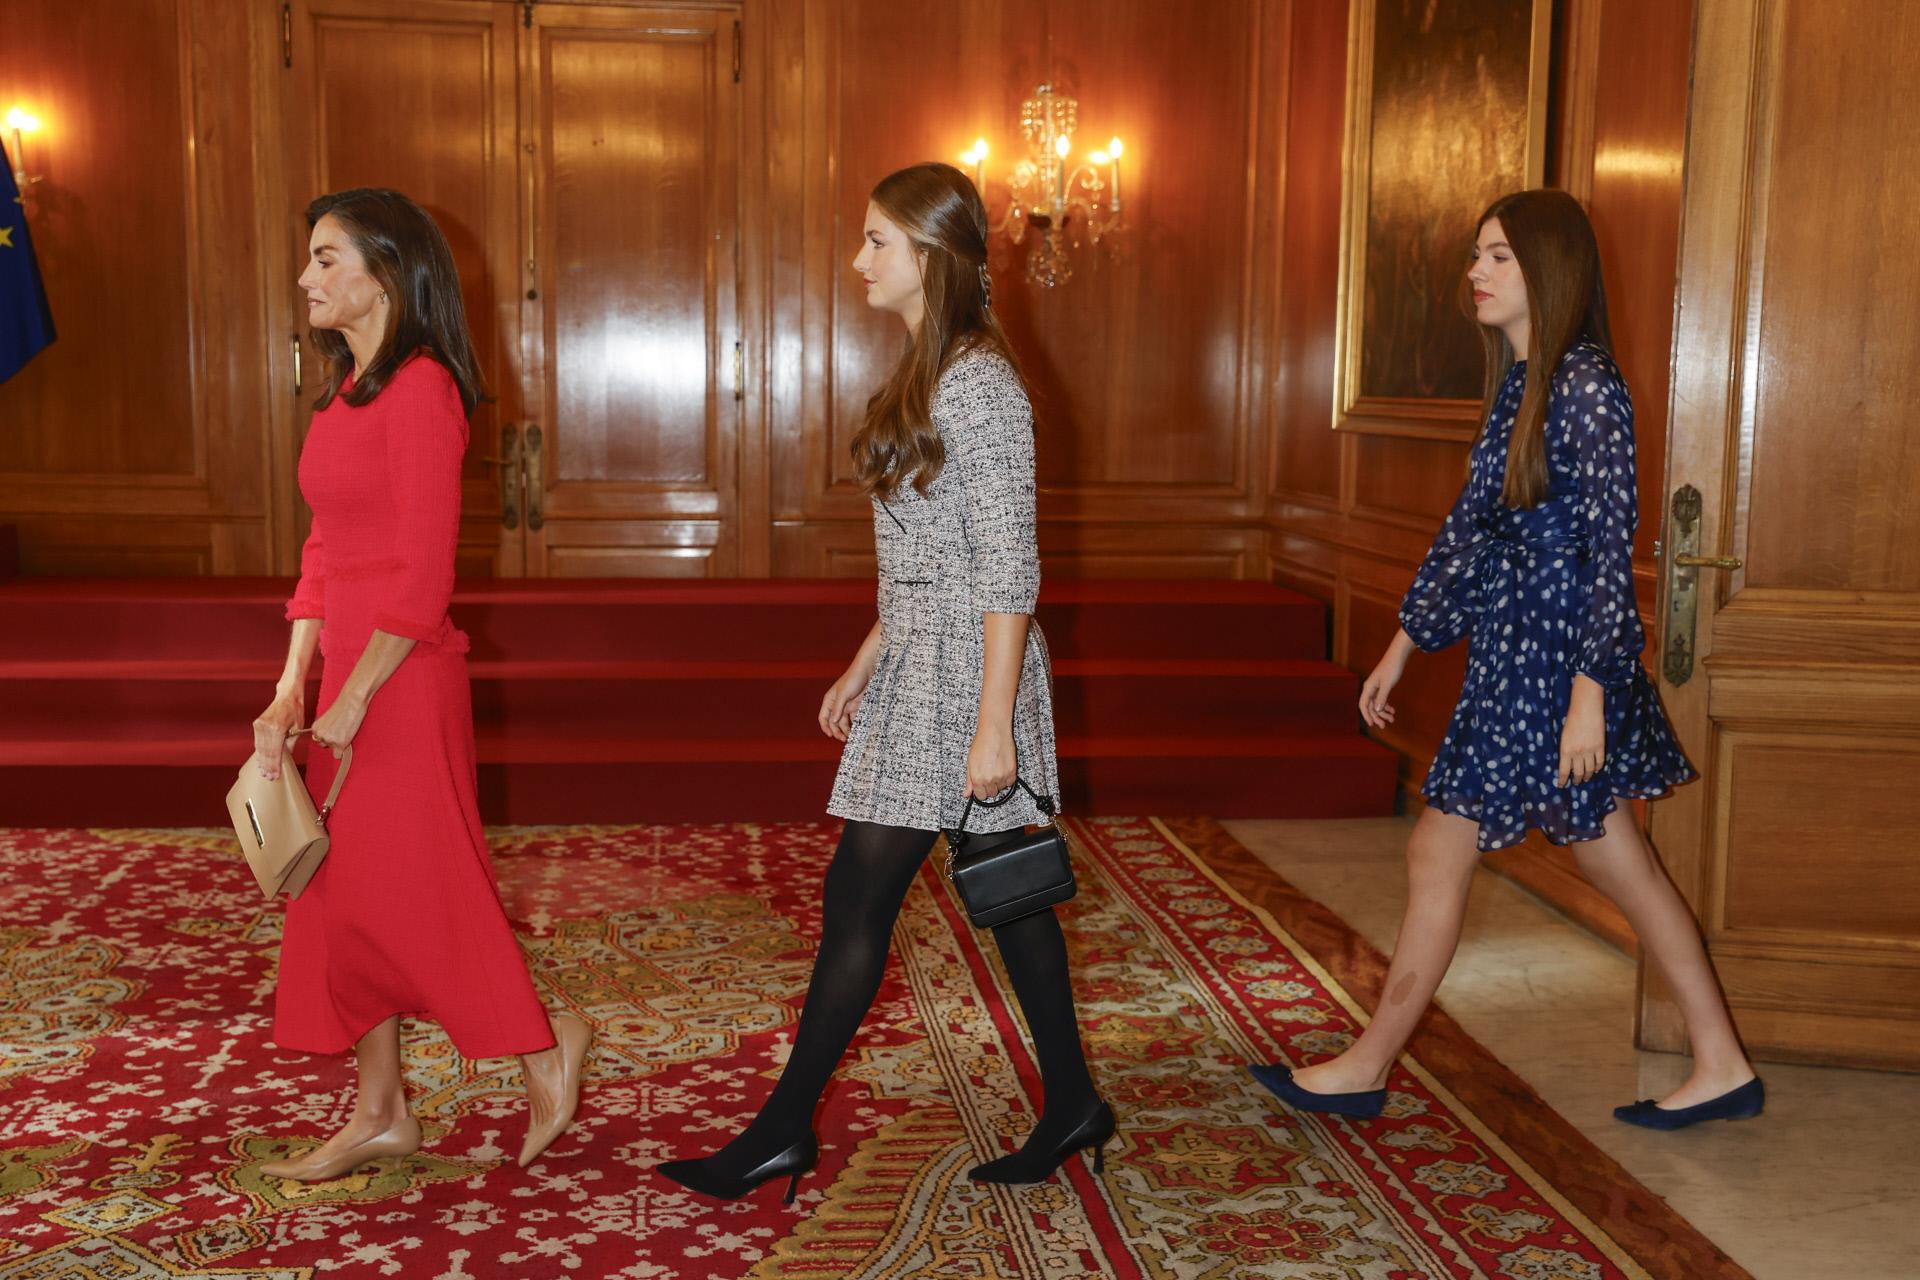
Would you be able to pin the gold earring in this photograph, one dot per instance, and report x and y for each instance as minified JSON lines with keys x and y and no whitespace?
{"x":383,"y":295}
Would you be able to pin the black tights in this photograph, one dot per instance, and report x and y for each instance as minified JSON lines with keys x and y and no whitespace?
{"x":866,"y":883}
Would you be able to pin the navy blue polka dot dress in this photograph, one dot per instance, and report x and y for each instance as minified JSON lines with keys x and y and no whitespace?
{"x":1541,"y":594}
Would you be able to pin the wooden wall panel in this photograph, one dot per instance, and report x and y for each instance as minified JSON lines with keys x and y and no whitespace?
{"x":134,"y":443}
{"x":1844,"y":361}
{"x":113,"y":395}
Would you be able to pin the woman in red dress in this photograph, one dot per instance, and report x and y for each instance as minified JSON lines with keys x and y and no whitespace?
{"x":404,"y":916}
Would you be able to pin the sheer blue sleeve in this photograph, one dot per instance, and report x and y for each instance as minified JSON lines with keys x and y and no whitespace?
{"x":1437,"y":610}
{"x":1594,"y":414}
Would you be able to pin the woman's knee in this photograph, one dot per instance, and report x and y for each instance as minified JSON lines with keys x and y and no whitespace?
{"x":1442,"y":853}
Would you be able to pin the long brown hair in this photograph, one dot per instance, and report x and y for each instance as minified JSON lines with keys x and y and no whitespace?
{"x":937,"y":208}
{"x":406,"y":252}
{"x":1559,"y":260}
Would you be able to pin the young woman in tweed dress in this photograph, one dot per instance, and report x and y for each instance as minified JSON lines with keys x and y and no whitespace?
{"x":950,"y":696}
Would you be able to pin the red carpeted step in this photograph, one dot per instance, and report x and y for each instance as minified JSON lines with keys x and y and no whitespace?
{"x":201,"y":618}
{"x":129,"y":703}
{"x":570,"y":779}
{"x":709,"y":699}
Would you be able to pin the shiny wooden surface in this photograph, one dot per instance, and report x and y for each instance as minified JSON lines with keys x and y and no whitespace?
{"x":133,"y":443}
{"x":1803,"y":709}
{"x":633,"y":116}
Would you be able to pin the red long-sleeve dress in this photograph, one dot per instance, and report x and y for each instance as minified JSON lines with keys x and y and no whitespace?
{"x":404,"y":916}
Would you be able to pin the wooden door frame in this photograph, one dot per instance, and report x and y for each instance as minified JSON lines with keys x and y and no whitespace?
{"x":1759,"y":675}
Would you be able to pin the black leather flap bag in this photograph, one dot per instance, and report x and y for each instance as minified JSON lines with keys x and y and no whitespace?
{"x":1005,"y":875}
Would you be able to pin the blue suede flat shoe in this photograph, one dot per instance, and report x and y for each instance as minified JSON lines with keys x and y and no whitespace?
{"x":1744,"y":1103}
{"x":1363,"y":1105}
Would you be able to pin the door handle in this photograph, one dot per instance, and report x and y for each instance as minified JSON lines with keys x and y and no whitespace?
{"x":1683,"y":583}
{"x":511,"y":474}
{"x":532,"y":469}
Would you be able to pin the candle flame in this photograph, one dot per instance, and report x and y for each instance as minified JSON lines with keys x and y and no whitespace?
{"x":1114,"y":148}
{"x":1062,"y":145}
{"x":1099,"y":157}
{"x":24,"y":121}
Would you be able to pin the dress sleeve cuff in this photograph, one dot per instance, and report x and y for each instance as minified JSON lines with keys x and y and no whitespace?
{"x":298,"y":609}
{"x":406,"y":629}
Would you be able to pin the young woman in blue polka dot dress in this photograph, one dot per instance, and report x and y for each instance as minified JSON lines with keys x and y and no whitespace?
{"x":1558,"y":721}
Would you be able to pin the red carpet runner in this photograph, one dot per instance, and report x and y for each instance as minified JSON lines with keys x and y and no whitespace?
{"x":138,"y":1094}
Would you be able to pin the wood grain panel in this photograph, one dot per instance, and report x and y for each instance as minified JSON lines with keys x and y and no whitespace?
{"x":1637,"y":122}
{"x":1403,"y":480}
{"x":630,"y":148}
{"x":111,"y":223}
{"x":1834,"y":508}
{"x":1307,"y":454}
{"x":1820,"y":839}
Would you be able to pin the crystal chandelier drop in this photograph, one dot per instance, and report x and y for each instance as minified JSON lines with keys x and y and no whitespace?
{"x":1063,"y":205}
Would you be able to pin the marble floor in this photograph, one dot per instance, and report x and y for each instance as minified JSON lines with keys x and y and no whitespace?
{"x":1826,"y":1186}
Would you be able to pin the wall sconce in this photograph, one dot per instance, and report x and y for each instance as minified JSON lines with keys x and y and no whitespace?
{"x":1059,"y":203}
{"x":21,"y":121}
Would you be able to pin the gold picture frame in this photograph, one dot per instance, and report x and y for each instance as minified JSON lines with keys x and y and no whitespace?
{"x":1451,"y":113}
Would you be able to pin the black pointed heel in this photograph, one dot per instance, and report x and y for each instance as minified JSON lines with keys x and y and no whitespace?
{"x":1029,"y":1164}
{"x":792,"y":1164}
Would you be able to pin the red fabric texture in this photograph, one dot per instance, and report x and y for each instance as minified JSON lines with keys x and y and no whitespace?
{"x":404,"y":916}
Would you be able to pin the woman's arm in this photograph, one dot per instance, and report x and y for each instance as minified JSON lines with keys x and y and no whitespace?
{"x":843,"y":695}
{"x":1593,"y":412}
{"x":289,"y":706}
{"x":991,"y":761}
{"x":991,"y":451}
{"x":382,"y":657}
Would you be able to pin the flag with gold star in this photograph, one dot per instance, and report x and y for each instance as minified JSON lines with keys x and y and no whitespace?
{"x":26,"y":322}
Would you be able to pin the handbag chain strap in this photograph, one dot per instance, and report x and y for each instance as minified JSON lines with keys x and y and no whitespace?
{"x":339,"y":778}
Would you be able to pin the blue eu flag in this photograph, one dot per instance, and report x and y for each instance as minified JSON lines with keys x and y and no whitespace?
{"x":26,"y":322}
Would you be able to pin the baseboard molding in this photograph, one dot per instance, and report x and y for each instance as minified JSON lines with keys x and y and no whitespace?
{"x":1550,"y":875}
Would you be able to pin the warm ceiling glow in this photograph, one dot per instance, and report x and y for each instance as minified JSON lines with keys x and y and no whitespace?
{"x":1062,"y":146}
{"x":1114,"y":148}
{"x":24,"y":121}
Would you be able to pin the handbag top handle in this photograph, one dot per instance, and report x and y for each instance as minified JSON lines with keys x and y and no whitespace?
{"x":1019,"y":784}
{"x":339,"y":778}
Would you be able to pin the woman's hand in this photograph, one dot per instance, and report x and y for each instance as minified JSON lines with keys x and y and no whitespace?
{"x":843,"y":699}
{"x":271,"y":727}
{"x":991,"y":763}
{"x":1374,"y":707}
{"x":338,"y":723}
{"x":1583,"y":739}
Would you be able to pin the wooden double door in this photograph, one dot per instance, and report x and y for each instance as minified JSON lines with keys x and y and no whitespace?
{"x":583,"y":161}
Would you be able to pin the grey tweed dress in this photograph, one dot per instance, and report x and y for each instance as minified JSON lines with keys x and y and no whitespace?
{"x":965,"y":549}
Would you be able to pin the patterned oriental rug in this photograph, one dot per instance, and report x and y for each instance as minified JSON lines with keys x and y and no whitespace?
{"x":139,"y":1094}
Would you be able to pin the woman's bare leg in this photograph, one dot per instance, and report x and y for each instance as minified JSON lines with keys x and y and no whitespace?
{"x":380,"y":1098}
{"x":1442,"y":854}
{"x":1622,"y":865}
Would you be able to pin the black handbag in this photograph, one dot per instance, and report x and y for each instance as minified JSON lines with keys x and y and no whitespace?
{"x":1005,"y":875}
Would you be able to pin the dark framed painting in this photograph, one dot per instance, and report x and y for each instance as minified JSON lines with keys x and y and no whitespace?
{"x":1446,"y":112}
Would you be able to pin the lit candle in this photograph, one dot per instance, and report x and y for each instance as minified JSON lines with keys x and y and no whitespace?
{"x":1061,"y":146}
{"x":20,"y":122}
{"x":1114,"y":149}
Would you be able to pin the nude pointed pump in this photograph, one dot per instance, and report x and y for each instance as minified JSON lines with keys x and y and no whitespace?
{"x":573,"y":1038}
{"x":396,"y":1144}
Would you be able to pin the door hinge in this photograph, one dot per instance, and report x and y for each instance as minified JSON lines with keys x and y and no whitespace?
{"x":286,"y":34}
{"x":739,"y":371}
{"x":736,"y":51}
{"x":526,"y":14}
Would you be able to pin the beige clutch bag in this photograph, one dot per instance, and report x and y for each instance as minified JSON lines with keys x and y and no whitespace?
{"x":282,"y":836}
